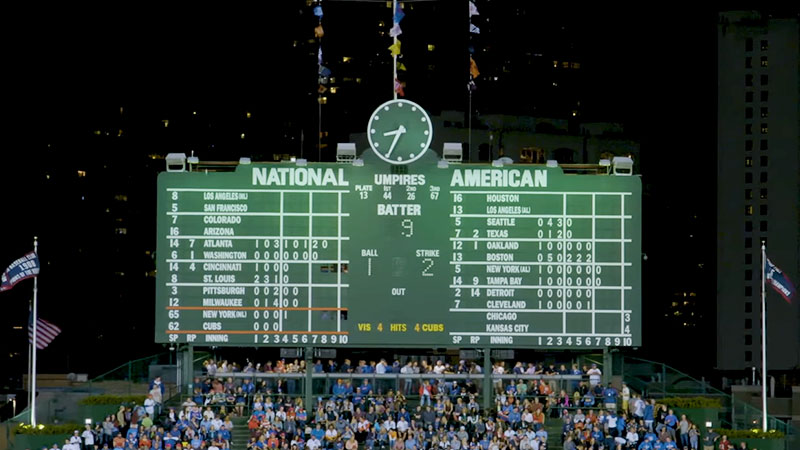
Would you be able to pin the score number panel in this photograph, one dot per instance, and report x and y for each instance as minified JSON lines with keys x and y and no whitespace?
{"x":331,"y":255}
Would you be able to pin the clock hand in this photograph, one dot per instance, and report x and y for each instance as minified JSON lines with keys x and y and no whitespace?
{"x":396,"y":134}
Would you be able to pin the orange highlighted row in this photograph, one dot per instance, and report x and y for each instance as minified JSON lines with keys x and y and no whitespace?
{"x":252,"y":332}
{"x":252,"y":308}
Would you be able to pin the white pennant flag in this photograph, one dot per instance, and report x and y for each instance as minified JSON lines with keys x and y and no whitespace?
{"x":474,"y":29}
{"x":473,"y":10}
{"x":395,"y":31}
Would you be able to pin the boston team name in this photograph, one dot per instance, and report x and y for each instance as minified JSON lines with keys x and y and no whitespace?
{"x":298,"y":176}
{"x":498,"y":178}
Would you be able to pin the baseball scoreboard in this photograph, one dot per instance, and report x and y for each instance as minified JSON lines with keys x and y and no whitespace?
{"x":415,"y":255}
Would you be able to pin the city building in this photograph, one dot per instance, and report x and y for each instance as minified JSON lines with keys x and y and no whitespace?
{"x":758,"y":185}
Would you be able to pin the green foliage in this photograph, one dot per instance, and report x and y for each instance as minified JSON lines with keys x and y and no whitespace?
{"x":113,"y":399}
{"x":755,"y":433}
{"x":65,"y":428}
{"x":692,"y":402}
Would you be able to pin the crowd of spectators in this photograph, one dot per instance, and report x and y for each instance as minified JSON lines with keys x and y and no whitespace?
{"x":441,"y":414}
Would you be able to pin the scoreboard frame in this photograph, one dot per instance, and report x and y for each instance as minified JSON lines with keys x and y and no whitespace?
{"x":492,"y":255}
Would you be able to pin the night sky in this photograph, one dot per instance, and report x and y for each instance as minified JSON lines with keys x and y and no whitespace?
{"x":69,"y":74}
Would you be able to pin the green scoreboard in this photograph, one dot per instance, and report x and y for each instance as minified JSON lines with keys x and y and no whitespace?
{"x":420,"y":255}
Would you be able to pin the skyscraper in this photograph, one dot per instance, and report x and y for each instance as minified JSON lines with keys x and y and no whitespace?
{"x":758,"y":185}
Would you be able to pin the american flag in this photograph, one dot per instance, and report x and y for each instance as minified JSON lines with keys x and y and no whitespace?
{"x":45,"y":333}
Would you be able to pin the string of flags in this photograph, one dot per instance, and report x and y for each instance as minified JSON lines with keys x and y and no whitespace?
{"x":323,"y":73}
{"x":473,"y":30}
{"x":395,"y":48}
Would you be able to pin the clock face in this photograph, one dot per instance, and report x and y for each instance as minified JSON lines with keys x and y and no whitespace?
{"x":399,"y":131}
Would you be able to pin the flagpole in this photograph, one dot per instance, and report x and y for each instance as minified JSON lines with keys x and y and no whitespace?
{"x":763,"y":339}
{"x":33,"y":349}
{"x":30,"y":355}
{"x":394,"y":54}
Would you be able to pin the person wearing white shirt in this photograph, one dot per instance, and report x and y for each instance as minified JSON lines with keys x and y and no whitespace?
{"x":594,"y":375}
{"x":313,"y":443}
{"x":381,"y":366}
{"x":150,"y":405}
{"x":402,"y":425}
{"x":88,"y":437}
{"x":439,"y":367}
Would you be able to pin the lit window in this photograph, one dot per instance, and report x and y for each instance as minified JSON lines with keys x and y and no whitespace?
{"x":431,"y":47}
{"x":748,"y":210}
{"x":763,"y":194}
{"x":97,"y":132}
{"x":555,"y":64}
{"x":121,"y":231}
{"x":241,"y":136}
{"x":748,"y":161}
{"x":764,"y":61}
{"x":165,"y":122}
{"x":346,"y":58}
{"x":248,"y":115}
{"x":575,"y":65}
{"x":121,"y":198}
{"x":333,"y":90}
{"x":81,"y":173}
{"x":764,"y":112}
{"x":764,"y":128}
{"x":764,"y":45}
{"x":565,"y":64}
{"x":323,"y":100}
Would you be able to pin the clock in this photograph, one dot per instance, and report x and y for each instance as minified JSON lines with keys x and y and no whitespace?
{"x":399,"y":131}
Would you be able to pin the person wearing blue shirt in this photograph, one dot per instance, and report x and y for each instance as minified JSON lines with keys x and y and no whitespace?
{"x":597,"y":434}
{"x":649,"y":414}
{"x":610,"y":394}
{"x":671,"y":421}
{"x":366,"y":388}
{"x":514,"y":417}
{"x":224,"y":434}
{"x":645,"y":445}
{"x":588,"y":400}
{"x":248,"y":387}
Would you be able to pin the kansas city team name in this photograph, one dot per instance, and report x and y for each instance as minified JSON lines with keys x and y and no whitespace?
{"x":498,"y":178}
{"x":298,"y":176}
